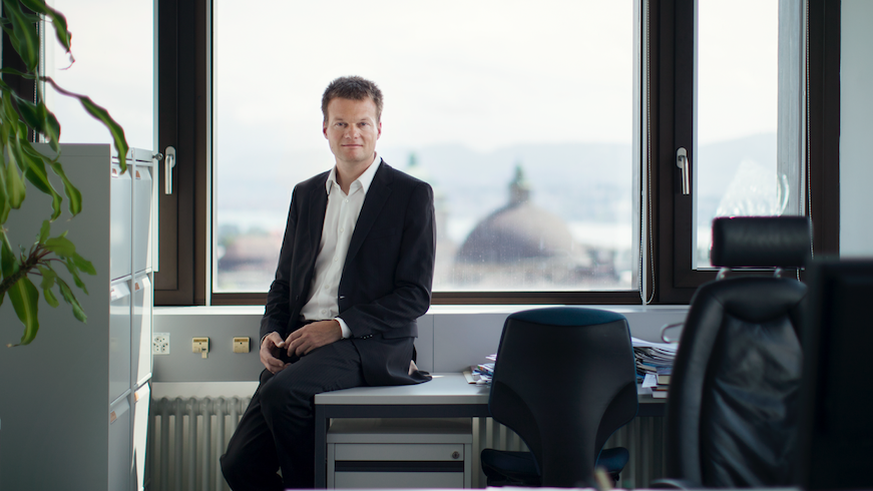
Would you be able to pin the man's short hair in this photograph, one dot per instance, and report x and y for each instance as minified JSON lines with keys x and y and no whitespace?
{"x":354,"y":88}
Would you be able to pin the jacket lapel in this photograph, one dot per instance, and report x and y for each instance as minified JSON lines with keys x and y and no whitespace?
{"x":376,"y":198}
{"x":317,"y":204}
{"x":319,"y":209}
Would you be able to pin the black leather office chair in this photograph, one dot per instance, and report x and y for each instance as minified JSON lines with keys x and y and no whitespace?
{"x":564,"y":381}
{"x":733,"y":403}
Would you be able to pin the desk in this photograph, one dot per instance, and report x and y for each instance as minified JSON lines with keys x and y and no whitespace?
{"x":448,"y":395}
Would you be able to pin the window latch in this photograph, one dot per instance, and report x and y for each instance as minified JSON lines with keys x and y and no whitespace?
{"x":169,"y":163}
{"x":684,"y":166}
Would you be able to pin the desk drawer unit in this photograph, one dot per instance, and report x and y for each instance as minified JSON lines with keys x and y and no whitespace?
{"x":399,"y":453}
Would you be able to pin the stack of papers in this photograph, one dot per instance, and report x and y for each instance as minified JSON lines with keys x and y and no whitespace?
{"x":481,"y":374}
{"x":654,"y":362}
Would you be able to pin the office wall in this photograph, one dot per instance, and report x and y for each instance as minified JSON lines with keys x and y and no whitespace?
{"x":450,"y":338}
{"x":856,"y":129}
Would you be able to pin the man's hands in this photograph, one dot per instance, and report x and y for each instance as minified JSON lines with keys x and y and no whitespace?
{"x":311,"y":336}
{"x":271,"y":349}
{"x":299,"y":342}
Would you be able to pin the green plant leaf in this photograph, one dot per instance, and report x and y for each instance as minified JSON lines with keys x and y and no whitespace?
{"x":51,"y":127}
{"x":114,"y":128}
{"x":44,"y":231}
{"x":15,"y":188}
{"x":29,"y":113}
{"x":48,"y":282}
{"x":61,"y":246}
{"x":103,"y":116}
{"x":37,"y":175}
{"x":74,"y":271}
{"x":25,"y":300}
{"x":72,"y":192}
{"x":50,"y":298}
{"x":7,"y":28}
{"x":4,"y":197}
{"x":43,"y":121}
{"x":48,"y":277}
{"x":67,"y":293}
{"x":58,"y":20}
{"x":83,"y":264}
{"x":18,"y":73}
{"x":8,"y":263}
{"x":24,"y":32}
{"x":10,"y":117}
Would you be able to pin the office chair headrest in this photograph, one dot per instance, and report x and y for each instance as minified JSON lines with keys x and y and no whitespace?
{"x":782,"y":242}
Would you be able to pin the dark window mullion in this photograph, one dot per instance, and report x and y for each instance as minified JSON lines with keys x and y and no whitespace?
{"x":672,"y":68}
{"x":182,"y":113}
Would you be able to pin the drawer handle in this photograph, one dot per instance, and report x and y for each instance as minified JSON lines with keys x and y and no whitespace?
{"x":456,"y":455}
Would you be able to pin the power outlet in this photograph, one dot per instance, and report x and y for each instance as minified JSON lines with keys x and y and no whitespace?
{"x":161,"y":343}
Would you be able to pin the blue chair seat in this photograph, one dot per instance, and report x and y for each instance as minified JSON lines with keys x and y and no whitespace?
{"x":506,"y":468}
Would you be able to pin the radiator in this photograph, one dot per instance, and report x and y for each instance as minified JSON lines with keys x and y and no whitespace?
{"x":183,"y":456}
{"x":186,"y":438}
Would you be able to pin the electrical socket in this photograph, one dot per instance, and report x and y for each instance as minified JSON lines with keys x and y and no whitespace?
{"x":161,"y":343}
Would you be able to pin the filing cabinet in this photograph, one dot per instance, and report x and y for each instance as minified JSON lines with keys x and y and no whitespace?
{"x":399,"y":453}
{"x":74,"y":408}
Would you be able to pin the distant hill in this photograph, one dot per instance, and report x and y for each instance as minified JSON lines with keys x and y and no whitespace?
{"x":578,"y":181}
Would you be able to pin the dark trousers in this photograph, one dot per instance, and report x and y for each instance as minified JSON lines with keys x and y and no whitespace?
{"x":278,"y":428}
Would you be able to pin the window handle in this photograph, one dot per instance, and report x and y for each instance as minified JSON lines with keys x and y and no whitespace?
{"x":684,"y":166}
{"x":169,"y":163}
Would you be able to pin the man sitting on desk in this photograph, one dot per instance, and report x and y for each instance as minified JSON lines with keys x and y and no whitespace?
{"x":354,"y":274}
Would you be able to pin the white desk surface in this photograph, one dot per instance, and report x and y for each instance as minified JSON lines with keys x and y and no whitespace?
{"x":445,"y":388}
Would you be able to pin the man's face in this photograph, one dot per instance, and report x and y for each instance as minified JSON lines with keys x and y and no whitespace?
{"x":352,"y":130}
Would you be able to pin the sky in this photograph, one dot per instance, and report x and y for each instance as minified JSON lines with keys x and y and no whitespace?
{"x":487,"y":74}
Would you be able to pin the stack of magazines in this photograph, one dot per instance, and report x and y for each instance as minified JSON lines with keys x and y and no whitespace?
{"x":654,"y":362}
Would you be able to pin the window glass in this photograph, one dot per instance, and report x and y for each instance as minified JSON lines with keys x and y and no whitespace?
{"x":113,"y":45}
{"x":519,"y":114}
{"x":736,"y":115}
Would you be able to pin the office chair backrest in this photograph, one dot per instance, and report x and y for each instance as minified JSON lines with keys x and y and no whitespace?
{"x":733,"y":402}
{"x":564,"y":381}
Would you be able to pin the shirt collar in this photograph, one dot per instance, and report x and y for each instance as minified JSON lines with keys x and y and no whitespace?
{"x":365,"y":179}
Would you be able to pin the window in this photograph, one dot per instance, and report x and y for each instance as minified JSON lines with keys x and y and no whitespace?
{"x":666,"y":109}
{"x":808,"y":141}
{"x":113,"y":44}
{"x":737,"y":95}
{"x":520,"y":116}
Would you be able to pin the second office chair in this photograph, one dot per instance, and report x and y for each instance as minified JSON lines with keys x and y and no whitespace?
{"x":564,"y":381}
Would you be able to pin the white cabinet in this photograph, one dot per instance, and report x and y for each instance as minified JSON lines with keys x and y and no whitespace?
{"x":74,"y":403}
{"x":399,"y":453}
{"x":141,"y":333}
{"x":119,"y":338}
{"x":120,"y":235}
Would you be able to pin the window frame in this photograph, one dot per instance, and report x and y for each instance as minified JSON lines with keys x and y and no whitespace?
{"x":675,"y":278}
{"x":184,"y":105}
{"x":183,"y":123}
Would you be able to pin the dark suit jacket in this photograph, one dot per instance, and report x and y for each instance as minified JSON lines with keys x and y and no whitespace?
{"x":387,"y":276}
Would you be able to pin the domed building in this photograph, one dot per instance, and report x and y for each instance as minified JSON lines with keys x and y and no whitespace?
{"x":521,"y":246}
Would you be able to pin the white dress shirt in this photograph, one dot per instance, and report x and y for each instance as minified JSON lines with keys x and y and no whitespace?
{"x":339,"y":224}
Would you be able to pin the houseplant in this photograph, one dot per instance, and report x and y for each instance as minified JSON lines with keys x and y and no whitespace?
{"x":22,"y":164}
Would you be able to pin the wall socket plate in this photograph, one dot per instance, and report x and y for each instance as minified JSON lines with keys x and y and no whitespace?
{"x":200,"y":345}
{"x":161,"y":343}
{"x":241,"y":344}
